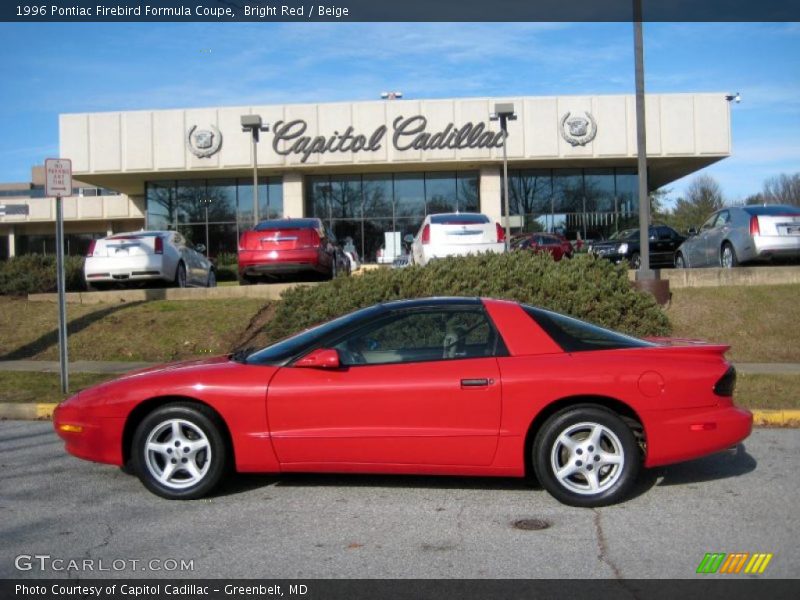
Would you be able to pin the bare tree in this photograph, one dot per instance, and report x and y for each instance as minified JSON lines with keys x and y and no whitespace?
{"x":703,"y":197}
{"x":782,"y":189}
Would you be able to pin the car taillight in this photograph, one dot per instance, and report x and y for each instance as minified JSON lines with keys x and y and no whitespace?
{"x":754,"y":229}
{"x":726,"y":383}
{"x":90,"y":251}
{"x":159,"y":245}
{"x":501,"y":233}
{"x":426,"y":234}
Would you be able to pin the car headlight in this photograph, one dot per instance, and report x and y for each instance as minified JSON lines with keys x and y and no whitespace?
{"x":622,"y":248}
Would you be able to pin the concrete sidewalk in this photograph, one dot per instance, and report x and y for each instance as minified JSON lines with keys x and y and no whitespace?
{"x":113,"y":367}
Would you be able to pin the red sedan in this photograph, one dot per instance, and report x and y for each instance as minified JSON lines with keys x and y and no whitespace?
{"x":457,"y":386}
{"x":557,"y":246}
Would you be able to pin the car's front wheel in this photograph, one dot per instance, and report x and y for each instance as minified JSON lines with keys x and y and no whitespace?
{"x":586,"y":456}
{"x":179,"y":451}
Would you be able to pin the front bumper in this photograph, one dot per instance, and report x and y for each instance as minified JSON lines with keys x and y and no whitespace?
{"x":679,"y":435}
{"x":89,"y":436}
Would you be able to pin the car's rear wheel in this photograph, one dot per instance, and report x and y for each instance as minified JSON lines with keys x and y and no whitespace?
{"x":179,"y":452}
{"x":586,"y":456}
{"x":727,"y":257}
{"x":180,"y":275}
{"x":680,"y":262}
{"x":212,"y":279}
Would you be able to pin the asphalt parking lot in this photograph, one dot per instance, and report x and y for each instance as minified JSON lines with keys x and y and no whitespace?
{"x":314,"y":526}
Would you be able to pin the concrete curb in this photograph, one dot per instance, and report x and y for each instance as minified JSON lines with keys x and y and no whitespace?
{"x":33,"y":412}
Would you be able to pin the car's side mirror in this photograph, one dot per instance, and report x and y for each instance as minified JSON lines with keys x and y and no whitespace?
{"x":692,"y":231}
{"x":408,"y":239}
{"x":200,"y":247}
{"x":321,"y":358}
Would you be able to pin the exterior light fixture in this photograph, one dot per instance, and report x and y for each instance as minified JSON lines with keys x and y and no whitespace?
{"x":391,"y":95}
{"x":737,"y":97}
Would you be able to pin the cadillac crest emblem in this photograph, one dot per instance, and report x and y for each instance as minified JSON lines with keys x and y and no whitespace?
{"x":204,"y":142}
{"x":578,"y":131}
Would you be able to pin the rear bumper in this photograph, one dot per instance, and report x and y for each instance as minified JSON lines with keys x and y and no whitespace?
{"x":782,"y":246}
{"x":675,"y":436}
{"x":99,"y":438}
{"x":265,"y":262}
{"x":139,"y":268}
{"x":442,"y":251}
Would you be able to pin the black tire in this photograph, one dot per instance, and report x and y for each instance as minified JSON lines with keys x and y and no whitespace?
{"x":212,"y":279}
{"x":728,"y":261}
{"x":97,"y":287}
{"x":680,"y":262}
{"x":199,"y":445}
{"x":636,"y":261}
{"x":334,"y":267}
{"x":613,"y":481}
{"x":180,"y":275}
{"x":245,"y":280}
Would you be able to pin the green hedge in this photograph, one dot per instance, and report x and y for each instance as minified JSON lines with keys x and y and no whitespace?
{"x":36,"y":273}
{"x":587,"y":288}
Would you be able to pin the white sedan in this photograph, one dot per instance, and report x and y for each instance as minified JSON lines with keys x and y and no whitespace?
{"x":456,"y":234}
{"x":144,"y":256}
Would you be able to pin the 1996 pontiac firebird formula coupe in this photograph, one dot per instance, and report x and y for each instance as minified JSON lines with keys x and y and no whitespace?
{"x":456,"y":386}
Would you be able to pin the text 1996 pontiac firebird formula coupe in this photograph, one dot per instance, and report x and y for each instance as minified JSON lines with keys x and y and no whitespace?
{"x":456,"y":386}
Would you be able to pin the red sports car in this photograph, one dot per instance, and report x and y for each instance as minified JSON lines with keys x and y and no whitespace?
{"x":557,"y":246}
{"x":457,"y":386}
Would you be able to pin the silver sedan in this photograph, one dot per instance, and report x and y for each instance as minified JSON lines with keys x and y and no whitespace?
{"x":736,"y":235}
{"x":142,"y":256}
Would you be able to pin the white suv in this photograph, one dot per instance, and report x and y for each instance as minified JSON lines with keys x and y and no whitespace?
{"x":456,"y":234}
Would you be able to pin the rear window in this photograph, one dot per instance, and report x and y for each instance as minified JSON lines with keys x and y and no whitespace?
{"x":288,"y":224}
{"x":579,"y":336}
{"x":459,"y":219}
{"x":775,"y":210}
{"x":135,"y":236}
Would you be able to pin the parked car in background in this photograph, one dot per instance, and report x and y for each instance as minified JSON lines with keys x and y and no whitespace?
{"x":147,"y":256}
{"x":736,"y":235}
{"x":624,"y":245}
{"x":440,"y":386}
{"x":456,"y":234}
{"x":554,"y":244}
{"x":278,"y":247}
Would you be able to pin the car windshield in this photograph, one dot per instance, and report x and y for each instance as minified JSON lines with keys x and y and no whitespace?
{"x":624,"y":234}
{"x":281,"y":352}
{"x":287,"y":224}
{"x":457,"y":219}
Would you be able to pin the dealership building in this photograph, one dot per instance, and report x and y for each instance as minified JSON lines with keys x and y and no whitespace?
{"x":366,"y":168}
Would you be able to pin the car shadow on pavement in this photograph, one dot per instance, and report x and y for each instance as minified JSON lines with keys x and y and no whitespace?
{"x":723,"y":465}
{"x":244,"y":482}
{"x":42,"y":343}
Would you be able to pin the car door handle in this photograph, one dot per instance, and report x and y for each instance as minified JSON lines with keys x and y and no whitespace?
{"x":476,"y":382}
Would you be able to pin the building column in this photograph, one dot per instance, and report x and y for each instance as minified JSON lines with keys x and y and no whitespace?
{"x":12,"y":239}
{"x":293,"y":195}
{"x":109,"y":228}
{"x":491,"y":193}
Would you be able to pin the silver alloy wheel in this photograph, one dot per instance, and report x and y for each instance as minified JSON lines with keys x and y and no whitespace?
{"x":587,"y":458}
{"x":680,"y":263}
{"x":181,"y":275}
{"x":727,"y":256}
{"x":177,"y":454}
{"x":212,"y":279}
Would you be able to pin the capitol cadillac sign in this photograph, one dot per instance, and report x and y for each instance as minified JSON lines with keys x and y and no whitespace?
{"x":408,"y":133}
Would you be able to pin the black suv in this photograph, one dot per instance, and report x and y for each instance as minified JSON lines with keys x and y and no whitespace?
{"x":624,"y":245}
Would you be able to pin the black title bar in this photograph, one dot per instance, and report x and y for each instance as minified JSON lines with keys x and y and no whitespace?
{"x":262,"y":11}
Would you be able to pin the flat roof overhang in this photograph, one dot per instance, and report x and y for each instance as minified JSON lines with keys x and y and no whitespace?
{"x":661,"y":170}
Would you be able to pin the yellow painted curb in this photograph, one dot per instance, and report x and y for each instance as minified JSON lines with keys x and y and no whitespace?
{"x":45,"y":410}
{"x":776,"y":418}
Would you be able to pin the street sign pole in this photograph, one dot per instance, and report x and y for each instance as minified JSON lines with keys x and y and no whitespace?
{"x":58,"y":183}
{"x":62,"y":299}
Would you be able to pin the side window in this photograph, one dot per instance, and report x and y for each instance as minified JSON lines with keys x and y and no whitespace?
{"x":722,"y":219}
{"x":709,"y":223}
{"x":421,"y":336}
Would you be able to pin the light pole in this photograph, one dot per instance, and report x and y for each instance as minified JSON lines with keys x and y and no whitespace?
{"x":206,"y":202}
{"x":504,"y":112}
{"x":252,"y":123}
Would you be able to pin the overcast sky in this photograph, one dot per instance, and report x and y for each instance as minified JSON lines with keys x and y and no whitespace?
{"x":47,"y":69}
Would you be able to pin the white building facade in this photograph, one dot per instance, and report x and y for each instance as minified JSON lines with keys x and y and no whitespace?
{"x":368,"y":168}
